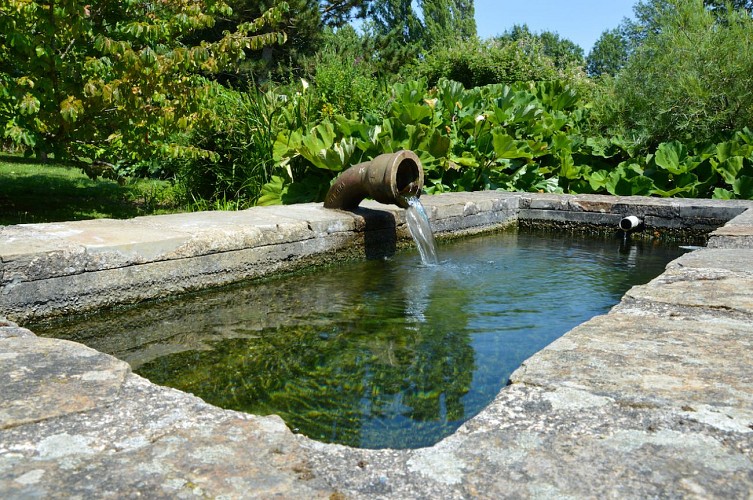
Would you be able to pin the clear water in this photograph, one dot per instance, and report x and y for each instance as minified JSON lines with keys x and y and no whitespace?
{"x":420,"y":230}
{"x":382,"y":353}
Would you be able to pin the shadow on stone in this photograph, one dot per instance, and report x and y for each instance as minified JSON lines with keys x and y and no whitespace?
{"x":379,"y":232}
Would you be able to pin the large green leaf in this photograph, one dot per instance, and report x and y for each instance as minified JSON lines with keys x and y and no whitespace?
{"x":673,"y":157}
{"x":437,"y":144}
{"x":466,"y":159}
{"x":556,"y":95}
{"x":506,"y":147}
{"x":723,"y":194}
{"x":568,"y":169}
{"x":321,"y":148}
{"x":287,"y":145}
{"x":598,"y":180}
{"x":628,"y":180}
{"x":743,"y":187}
{"x":730,"y":168}
{"x":562,"y":142}
{"x":410,"y":113}
{"x":728,"y":149}
{"x":311,"y":188}
{"x":272,"y":191}
{"x":636,"y":186}
{"x":684,"y":184}
{"x":450,"y":93}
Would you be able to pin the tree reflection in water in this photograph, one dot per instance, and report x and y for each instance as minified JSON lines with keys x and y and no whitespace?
{"x":378,"y":353}
{"x":385,"y":358}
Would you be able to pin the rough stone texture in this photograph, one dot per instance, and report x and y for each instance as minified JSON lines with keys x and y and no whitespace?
{"x":666,"y":362}
{"x":652,"y":400}
{"x":47,"y":378}
{"x":9,"y":330}
{"x":138,"y":439}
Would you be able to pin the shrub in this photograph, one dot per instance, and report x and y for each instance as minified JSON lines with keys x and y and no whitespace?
{"x":344,"y":74}
{"x":241,"y":138}
{"x":476,"y":63}
{"x":345,"y":84}
{"x":688,"y":81}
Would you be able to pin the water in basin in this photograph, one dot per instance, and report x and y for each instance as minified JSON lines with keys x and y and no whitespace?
{"x":382,"y":353}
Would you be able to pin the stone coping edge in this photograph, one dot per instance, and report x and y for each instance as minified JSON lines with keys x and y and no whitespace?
{"x":54,"y":269}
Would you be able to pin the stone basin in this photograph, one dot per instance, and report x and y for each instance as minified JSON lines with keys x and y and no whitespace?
{"x":652,"y":399}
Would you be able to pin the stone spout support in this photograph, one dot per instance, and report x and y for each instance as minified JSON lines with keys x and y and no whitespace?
{"x":389,"y":178}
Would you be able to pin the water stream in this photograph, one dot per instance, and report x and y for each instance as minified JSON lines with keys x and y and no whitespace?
{"x":420,"y":229}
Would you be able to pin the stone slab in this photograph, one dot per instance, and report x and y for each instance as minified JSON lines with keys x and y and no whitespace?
{"x":48,"y":378}
{"x":571,"y":218}
{"x":653,"y":361}
{"x":535,"y":442}
{"x":157,"y":443}
{"x":709,"y":283}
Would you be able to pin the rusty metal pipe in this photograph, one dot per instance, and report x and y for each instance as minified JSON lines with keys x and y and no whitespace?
{"x":389,"y":178}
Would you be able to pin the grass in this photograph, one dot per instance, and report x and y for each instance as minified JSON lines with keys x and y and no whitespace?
{"x":32,"y":192}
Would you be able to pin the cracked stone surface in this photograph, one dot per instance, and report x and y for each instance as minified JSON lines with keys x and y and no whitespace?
{"x":652,"y":400}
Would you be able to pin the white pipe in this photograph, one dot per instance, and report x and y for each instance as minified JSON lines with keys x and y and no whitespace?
{"x":630,"y":223}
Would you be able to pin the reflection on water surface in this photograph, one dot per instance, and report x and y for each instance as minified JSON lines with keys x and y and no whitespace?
{"x":383,"y":353}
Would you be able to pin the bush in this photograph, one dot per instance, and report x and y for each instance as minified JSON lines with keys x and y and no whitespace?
{"x":476,"y":63}
{"x":345,"y":85}
{"x":689,"y":81}
{"x":241,"y":138}
{"x":344,"y":75}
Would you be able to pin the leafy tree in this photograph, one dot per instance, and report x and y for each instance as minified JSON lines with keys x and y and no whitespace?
{"x":112,"y":82}
{"x":651,"y":16}
{"x":475,"y":63}
{"x":304,"y":28}
{"x":562,"y":51}
{"x":303,"y":24}
{"x":723,"y":5}
{"x":344,"y":74}
{"x":609,"y":54}
{"x":690,"y":78}
{"x":397,"y":32}
{"x":447,"y":20}
{"x":405,"y":30}
{"x":614,"y":47}
{"x":337,"y":13}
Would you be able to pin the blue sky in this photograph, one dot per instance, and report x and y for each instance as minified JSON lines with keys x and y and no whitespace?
{"x":581,"y":21}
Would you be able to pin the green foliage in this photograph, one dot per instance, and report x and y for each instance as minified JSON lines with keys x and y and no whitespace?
{"x":336,"y":13}
{"x":465,"y":139}
{"x":723,"y":5}
{"x":609,"y":54}
{"x":344,"y":75}
{"x":397,"y":32}
{"x":33,"y":192}
{"x":447,"y":21}
{"x":521,"y":137}
{"x":303,"y":26}
{"x":476,"y":63}
{"x":241,"y":137}
{"x":111,"y":84}
{"x":688,"y":81}
{"x":127,"y":89}
{"x":563,"y":52}
{"x":405,"y":30}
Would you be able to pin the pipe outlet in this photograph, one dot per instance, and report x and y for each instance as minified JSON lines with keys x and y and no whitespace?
{"x":390,"y":178}
{"x":630,"y":223}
